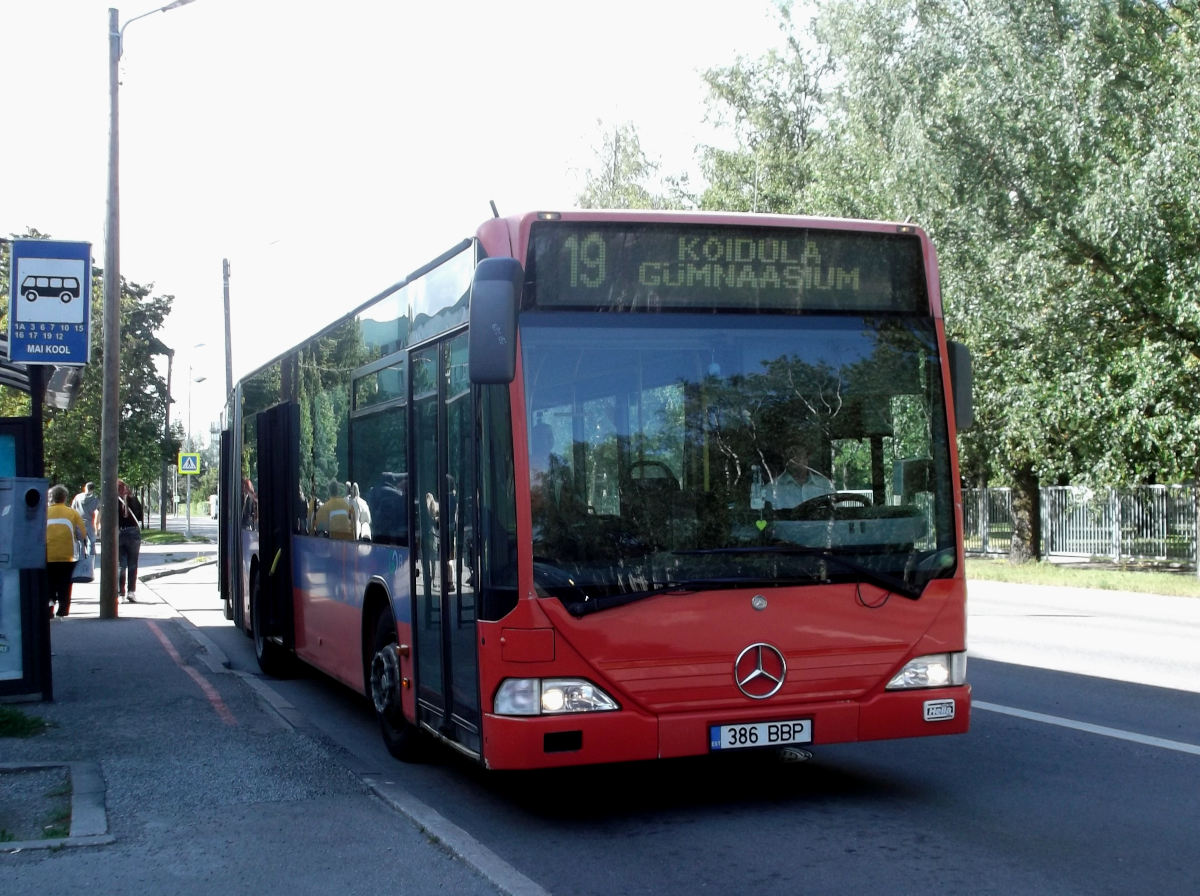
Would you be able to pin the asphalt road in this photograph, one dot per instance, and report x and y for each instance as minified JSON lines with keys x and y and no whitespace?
{"x":1078,"y":776}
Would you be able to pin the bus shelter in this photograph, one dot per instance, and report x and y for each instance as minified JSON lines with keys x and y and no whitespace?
{"x":25,"y":669}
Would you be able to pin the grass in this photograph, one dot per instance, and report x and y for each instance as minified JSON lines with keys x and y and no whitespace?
{"x":14,"y":723}
{"x":40,"y":804}
{"x":154,"y":536}
{"x":60,"y":816}
{"x":1107,"y":578}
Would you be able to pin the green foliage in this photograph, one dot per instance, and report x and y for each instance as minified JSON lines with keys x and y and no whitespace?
{"x":772,"y":106}
{"x":324,"y":367}
{"x":623,"y":175}
{"x":1052,"y":151}
{"x":154,"y":537}
{"x":1103,"y":577}
{"x":72,"y":446}
{"x":15,"y":723}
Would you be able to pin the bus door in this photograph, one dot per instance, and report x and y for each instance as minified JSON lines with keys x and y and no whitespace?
{"x":226,"y":578}
{"x":444,"y":580}
{"x":271,"y":509}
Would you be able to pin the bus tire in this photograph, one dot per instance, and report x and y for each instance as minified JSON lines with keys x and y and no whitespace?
{"x":402,"y":739}
{"x":272,"y":658}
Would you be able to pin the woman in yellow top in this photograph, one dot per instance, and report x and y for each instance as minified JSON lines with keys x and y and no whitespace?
{"x":65,"y":532}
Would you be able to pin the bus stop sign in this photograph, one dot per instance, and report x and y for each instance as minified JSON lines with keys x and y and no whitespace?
{"x":50,"y":302}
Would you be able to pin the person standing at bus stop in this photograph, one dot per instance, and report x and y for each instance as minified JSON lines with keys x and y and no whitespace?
{"x":87,"y":505}
{"x":129,"y":541}
{"x":66,"y":537}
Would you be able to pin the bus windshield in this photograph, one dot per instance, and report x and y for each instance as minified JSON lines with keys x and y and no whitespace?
{"x":685,"y":451}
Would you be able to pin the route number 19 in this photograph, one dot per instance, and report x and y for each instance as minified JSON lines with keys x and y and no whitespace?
{"x":587,"y":260}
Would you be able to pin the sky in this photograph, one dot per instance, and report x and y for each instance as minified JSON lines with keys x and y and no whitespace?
{"x":327,"y":150}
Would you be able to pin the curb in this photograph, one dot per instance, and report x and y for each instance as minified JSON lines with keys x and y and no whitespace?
{"x":89,"y":817}
{"x":174,"y":569}
{"x":439,"y":829}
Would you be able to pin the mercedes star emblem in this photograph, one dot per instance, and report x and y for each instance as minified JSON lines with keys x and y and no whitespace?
{"x":759,"y":671}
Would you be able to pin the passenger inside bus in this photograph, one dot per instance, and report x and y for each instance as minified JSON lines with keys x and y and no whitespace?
{"x":389,"y":509}
{"x":362,"y":512}
{"x":335,"y":518}
{"x":249,"y":505}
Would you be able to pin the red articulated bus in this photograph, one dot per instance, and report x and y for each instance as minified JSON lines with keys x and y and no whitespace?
{"x":603,"y":486}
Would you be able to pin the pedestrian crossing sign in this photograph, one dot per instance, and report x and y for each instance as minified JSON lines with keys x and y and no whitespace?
{"x":189,"y":463}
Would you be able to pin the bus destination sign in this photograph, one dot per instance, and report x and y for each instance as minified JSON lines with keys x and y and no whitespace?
{"x":682,"y":267}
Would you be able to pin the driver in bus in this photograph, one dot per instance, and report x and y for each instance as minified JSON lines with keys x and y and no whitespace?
{"x":798,"y":482}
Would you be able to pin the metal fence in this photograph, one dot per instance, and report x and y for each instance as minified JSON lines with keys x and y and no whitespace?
{"x":1149,"y":523}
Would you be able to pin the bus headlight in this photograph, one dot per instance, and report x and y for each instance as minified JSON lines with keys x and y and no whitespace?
{"x":937,"y":670}
{"x":550,"y":696}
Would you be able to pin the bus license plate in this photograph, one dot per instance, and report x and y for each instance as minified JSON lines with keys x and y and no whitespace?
{"x":760,"y":734}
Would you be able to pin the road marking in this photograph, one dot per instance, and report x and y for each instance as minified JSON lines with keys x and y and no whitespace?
{"x":1119,"y":734}
{"x":210,"y":692}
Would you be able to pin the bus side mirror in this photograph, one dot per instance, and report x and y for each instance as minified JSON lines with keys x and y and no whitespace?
{"x":492,"y":344}
{"x":961,"y":384}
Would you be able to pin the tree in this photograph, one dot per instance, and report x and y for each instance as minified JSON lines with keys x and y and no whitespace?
{"x":772,"y":106}
{"x":623,"y":174}
{"x":13,"y":402}
{"x":1051,"y":150}
{"x":72,"y":450}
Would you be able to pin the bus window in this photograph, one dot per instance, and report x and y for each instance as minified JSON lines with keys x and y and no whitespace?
{"x":379,"y":464}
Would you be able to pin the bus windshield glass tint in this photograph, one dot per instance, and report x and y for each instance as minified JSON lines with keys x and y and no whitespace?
{"x":734,"y":449}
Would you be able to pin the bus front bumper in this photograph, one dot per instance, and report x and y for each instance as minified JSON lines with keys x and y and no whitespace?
{"x":627,"y":736}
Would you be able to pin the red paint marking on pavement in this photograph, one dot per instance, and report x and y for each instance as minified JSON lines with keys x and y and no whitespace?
{"x":210,"y":692}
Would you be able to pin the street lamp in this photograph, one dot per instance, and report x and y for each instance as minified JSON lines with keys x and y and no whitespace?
{"x":110,"y":412}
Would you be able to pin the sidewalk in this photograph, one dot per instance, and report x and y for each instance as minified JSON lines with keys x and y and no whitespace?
{"x":183,"y":780}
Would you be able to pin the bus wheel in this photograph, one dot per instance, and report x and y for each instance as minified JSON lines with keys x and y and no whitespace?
{"x":272,"y":658}
{"x":400,"y":736}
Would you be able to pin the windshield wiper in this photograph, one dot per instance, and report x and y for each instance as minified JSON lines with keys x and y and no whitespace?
{"x":879,"y":579}
{"x":589,"y":605}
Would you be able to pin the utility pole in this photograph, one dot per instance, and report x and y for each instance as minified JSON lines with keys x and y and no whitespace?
{"x":110,"y":396}
{"x":228,"y":342}
{"x":162,"y":492}
{"x":110,"y":412}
